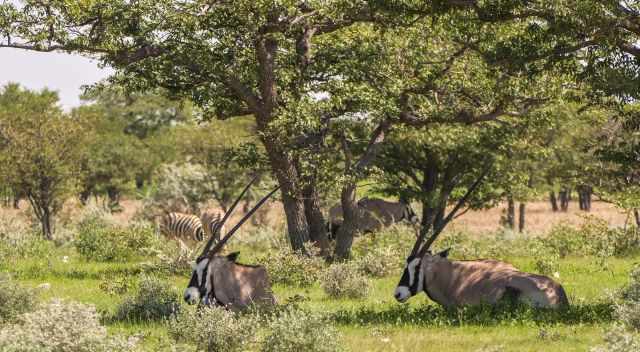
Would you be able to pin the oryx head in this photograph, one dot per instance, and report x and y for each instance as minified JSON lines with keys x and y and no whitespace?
{"x":417,"y":271}
{"x":200,"y":285}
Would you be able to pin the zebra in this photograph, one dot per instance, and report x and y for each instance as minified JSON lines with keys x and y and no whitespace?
{"x":182,"y":226}
{"x":220,"y":280}
{"x":210,"y":219}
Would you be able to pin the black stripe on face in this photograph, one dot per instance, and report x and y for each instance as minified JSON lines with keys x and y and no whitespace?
{"x":416,"y":280}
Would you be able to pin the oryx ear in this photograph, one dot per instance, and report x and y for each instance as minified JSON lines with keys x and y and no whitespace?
{"x":444,"y":253}
{"x":233,"y":256}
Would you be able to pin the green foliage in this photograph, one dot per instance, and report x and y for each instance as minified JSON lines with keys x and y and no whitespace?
{"x":102,"y":242}
{"x":345,"y":281}
{"x":379,"y":262}
{"x":154,"y":299}
{"x":618,"y":339}
{"x":212,"y":329}
{"x":39,"y":149}
{"x":287,"y":267}
{"x":297,"y":330}
{"x":61,"y":327}
{"x":15,"y":299}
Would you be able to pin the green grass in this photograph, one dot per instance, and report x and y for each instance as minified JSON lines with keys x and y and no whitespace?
{"x":376,"y":323}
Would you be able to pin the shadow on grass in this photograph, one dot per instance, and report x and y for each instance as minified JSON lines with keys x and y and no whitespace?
{"x":482,"y":315}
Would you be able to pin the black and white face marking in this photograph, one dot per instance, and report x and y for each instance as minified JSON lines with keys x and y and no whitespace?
{"x":197,"y":288}
{"x":411,"y":280}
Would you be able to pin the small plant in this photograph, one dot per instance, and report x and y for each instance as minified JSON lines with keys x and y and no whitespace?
{"x":291,"y":268}
{"x":344,"y":280}
{"x":380,"y":262}
{"x":296,"y":330}
{"x":15,"y":299}
{"x":212,"y":329}
{"x":61,"y":327}
{"x":153,"y":300}
{"x":116,"y":286}
{"x":619,"y":339}
{"x":102,"y":242}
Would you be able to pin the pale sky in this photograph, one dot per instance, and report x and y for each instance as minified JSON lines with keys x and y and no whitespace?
{"x":61,"y":72}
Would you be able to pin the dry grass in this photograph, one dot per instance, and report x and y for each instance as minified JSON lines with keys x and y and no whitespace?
{"x":539,"y":217}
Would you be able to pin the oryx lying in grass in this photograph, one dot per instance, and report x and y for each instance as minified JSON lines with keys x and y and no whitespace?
{"x":220,"y":280}
{"x":458,"y":283}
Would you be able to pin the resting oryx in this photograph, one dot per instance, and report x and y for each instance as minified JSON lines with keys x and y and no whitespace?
{"x":457,"y":283}
{"x":220,"y":280}
{"x":373,"y":215}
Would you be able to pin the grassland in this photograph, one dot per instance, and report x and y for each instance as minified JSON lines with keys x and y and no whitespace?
{"x":377,"y":322}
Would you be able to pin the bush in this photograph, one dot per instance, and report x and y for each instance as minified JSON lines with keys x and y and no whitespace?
{"x":15,"y":300}
{"x":618,"y":339}
{"x":153,"y":300}
{"x":290,"y":268}
{"x":296,"y":330}
{"x":212,"y":329}
{"x":344,"y":280}
{"x":102,"y":242}
{"x":61,"y":327}
{"x":380,"y":262}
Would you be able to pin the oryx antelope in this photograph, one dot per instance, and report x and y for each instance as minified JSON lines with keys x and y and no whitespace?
{"x":182,"y":226}
{"x":219,"y":280}
{"x":458,"y":283}
{"x":373,"y":215}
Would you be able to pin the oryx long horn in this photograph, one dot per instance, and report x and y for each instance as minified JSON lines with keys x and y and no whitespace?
{"x":225,"y":217}
{"x":226,"y":237}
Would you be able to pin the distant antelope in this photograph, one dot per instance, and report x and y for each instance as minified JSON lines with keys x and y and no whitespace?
{"x":219,"y":280}
{"x":373,"y":215}
{"x":458,"y":283}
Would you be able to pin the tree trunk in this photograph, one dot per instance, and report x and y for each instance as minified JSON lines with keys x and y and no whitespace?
{"x":315,"y":219}
{"x":521,"y":218}
{"x":637,"y":216}
{"x":511,"y":212}
{"x":45,"y":221}
{"x":565,"y":195}
{"x":553,"y":200}
{"x":292,"y":200}
{"x":114,"y":197}
{"x":584,"y":196}
{"x":139,"y":182}
{"x":344,"y":237}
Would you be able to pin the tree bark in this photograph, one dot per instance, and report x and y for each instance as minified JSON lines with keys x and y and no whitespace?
{"x":344,"y":237}
{"x":553,"y":200}
{"x":315,"y":219}
{"x":637,"y":216}
{"x":521,"y":217}
{"x":565,"y":195}
{"x":511,"y":212}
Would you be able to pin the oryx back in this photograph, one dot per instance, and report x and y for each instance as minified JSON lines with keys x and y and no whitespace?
{"x":238,"y":286}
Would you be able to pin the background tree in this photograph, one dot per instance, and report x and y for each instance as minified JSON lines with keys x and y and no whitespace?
{"x":40,"y":150}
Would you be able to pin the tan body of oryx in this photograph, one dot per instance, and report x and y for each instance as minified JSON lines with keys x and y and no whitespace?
{"x":238,"y":286}
{"x":458,"y":283}
{"x":373,"y":214}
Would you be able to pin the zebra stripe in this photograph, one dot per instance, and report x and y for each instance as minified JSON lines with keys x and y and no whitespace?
{"x":180,"y":225}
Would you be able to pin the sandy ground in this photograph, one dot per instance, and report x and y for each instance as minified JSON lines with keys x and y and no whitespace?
{"x":539,"y":217}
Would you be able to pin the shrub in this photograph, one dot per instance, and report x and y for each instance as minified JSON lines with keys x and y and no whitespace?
{"x":619,"y":339}
{"x":212,"y":329}
{"x":153,"y":300}
{"x":175,"y":258}
{"x":61,"y":327}
{"x":379,"y":262}
{"x":296,"y":330}
{"x":290,"y":268}
{"x":627,"y":307}
{"x":344,"y":280}
{"x":102,"y":242}
{"x":15,"y":299}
